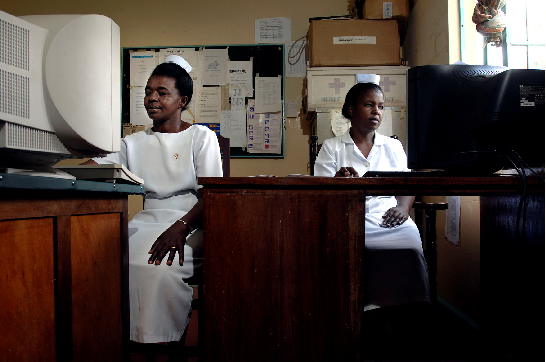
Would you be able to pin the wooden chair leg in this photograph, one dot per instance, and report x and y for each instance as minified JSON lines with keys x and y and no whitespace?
{"x":430,"y":251}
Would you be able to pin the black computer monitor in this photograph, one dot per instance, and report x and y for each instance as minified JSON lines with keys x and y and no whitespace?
{"x":474,"y":120}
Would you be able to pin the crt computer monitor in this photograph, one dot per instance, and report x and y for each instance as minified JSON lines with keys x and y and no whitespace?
{"x":466,"y":119}
{"x":60,"y":85}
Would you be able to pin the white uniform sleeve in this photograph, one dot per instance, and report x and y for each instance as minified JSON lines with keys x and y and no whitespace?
{"x":207,"y":159}
{"x":325,"y":164}
{"x":116,"y":157}
{"x":400,"y":154}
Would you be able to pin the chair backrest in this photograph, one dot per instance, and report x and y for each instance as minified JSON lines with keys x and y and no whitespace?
{"x":225,"y":150}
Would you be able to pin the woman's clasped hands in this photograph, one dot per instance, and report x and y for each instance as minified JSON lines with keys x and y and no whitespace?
{"x":346,"y":172}
{"x":395,"y":216}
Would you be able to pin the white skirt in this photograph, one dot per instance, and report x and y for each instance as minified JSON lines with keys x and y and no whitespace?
{"x":395,"y":270}
{"x":160,"y":300}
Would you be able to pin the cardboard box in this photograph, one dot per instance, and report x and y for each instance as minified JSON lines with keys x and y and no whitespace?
{"x":353,"y":43}
{"x":328,"y":86}
{"x":395,"y":9}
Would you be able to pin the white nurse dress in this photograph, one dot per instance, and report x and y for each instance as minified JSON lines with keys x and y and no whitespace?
{"x":169,"y":164}
{"x":395,"y":267}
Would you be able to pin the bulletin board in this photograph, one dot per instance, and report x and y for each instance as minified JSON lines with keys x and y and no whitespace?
{"x":247,"y":104}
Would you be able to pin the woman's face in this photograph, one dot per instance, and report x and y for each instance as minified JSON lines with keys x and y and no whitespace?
{"x":367,"y":113}
{"x":162,"y":100}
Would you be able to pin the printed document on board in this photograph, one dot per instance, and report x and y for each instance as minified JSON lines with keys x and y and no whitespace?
{"x":273,"y":30}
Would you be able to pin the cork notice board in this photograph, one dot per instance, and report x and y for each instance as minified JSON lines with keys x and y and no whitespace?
{"x":238,"y":92}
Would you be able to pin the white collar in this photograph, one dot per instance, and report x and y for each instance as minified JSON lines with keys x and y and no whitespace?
{"x":379,"y":139}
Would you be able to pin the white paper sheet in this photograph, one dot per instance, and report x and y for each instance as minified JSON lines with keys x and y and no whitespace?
{"x":226,"y":106}
{"x":238,"y":103}
{"x":240,"y":76}
{"x":268,"y":95}
{"x":138,"y":115}
{"x":237,"y":96}
{"x":296,"y":65}
{"x":273,"y":30}
{"x":453,"y":216}
{"x":291,"y":109}
{"x":214,"y":69}
{"x":208,"y":105}
{"x":264,"y":131}
{"x":142,"y":64}
{"x":233,"y":126}
{"x":340,"y":124}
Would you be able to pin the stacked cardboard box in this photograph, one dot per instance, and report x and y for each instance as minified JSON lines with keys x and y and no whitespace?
{"x":353,"y":43}
{"x":374,"y":39}
{"x":393,"y":10}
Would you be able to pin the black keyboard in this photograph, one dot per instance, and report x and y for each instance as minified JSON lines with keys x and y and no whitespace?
{"x":403,"y":173}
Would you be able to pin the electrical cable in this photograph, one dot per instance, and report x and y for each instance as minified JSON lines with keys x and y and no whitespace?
{"x":526,"y":165}
{"x":299,"y":52}
{"x":522,"y":205}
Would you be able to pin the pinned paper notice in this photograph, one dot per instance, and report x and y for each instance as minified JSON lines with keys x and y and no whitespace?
{"x":273,"y":30}
{"x":291,"y":109}
{"x":208,"y":105}
{"x":340,"y":124}
{"x":139,"y":116}
{"x":264,"y":131}
{"x":142,"y":64}
{"x":268,"y":95}
{"x":214,"y":69}
{"x":240,"y":76}
{"x":294,"y":59}
{"x":453,"y":216}
{"x":233,"y":126}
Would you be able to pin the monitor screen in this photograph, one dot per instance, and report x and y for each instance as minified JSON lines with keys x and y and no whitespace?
{"x":474,"y":120}
{"x":60,"y":88}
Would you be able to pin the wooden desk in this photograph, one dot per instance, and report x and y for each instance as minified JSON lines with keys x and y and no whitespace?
{"x":64,"y":273}
{"x":284,"y":261}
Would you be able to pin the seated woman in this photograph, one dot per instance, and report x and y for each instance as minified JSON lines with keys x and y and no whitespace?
{"x":395,"y":267}
{"x":169,"y":157}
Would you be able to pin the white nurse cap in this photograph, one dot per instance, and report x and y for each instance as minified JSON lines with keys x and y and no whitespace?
{"x":367,"y":78}
{"x":180,"y":61}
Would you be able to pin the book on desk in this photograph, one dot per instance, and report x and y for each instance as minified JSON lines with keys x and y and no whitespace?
{"x":115,"y":172}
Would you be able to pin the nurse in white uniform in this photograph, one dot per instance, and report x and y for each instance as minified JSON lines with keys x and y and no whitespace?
{"x":169,"y":157}
{"x":395,"y":268}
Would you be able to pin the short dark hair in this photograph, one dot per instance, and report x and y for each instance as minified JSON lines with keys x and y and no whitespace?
{"x":355,"y":92}
{"x":183,"y":81}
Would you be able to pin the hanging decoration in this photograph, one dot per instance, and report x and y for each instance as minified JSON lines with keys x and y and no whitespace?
{"x":490,"y":20}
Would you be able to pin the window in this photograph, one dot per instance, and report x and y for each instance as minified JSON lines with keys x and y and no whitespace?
{"x":523,"y":45}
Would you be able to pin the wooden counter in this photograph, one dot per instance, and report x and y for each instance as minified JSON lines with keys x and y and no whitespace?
{"x":284,"y":260}
{"x":64,"y":274}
